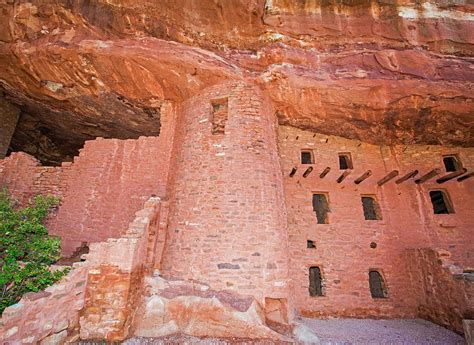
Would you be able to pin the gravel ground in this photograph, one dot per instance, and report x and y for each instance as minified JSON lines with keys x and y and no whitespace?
{"x":338,"y":332}
{"x":360,"y":331}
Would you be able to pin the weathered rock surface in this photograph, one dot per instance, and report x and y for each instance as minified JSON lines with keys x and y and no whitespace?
{"x":176,"y":307}
{"x":379,"y":71}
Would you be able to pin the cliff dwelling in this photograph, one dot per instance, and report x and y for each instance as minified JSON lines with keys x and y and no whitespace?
{"x":243,"y":170}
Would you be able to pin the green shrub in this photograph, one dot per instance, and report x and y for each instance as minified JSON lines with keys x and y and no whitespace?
{"x":26,"y":249}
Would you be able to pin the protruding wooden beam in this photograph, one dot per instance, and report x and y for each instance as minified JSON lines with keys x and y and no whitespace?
{"x":307,"y":172}
{"x":293,"y":172}
{"x":363,"y":177}
{"x":388,"y":177}
{"x":427,"y":176}
{"x":452,"y":175}
{"x":325,"y":172}
{"x":411,"y":174}
{"x":465,"y":177}
{"x":343,"y":176}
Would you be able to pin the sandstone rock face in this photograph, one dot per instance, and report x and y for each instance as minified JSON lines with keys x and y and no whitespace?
{"x":177,"y":307}
{"x":382,"y":72}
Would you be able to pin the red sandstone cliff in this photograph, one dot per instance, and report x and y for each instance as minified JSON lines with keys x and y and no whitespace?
{"x":376,"y":71}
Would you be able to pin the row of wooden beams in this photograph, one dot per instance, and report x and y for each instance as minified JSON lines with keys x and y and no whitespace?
{"x":394,"y":173}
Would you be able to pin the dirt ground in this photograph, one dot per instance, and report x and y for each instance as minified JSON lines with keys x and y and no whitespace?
{"x":338,"y":332}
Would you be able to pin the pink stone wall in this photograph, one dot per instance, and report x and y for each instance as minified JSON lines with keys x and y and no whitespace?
{"x":343,"y":250}
{"x":110,"y":180}
{"x":53,"y":313}
{"x":102,"y":189}
{"x":445,"y":297}
{"x":227,"y":217}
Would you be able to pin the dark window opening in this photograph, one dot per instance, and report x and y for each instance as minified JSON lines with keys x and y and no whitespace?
{"x":451,"y":163}
{"x":310,"y":244}
{"x":219,"y":115}
{"x":377,"y":285}
{"x":371,"y":208}
{"x":307,"y":157}
{"x":321,"y":208}
{"x":441,"y":203}
{"x":345,"y":161}
{"x":315,"y":282}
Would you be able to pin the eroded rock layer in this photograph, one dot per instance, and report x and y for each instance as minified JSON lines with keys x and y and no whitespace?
{"x":384,"y":72}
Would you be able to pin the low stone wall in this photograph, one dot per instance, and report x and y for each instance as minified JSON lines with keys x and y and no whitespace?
{"x":99,"y":296}
{"x":115,"y":278}
{"x":445,"y":292}
{"x":49,"y":316}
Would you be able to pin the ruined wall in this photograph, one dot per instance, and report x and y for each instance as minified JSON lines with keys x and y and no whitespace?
{"x":50,"y":315}
{"x":102,"y":189}
{"x":446,"y":297}
{"x":343,"y":247}
{"x":227,"y":217}
{"x":109,"y":181}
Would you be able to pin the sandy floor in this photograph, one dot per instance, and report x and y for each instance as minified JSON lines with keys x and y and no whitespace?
{"x":355,"y":331}
{"x":342,"y":332}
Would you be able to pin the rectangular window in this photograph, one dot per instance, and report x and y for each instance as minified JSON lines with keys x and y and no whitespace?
{"x":321,"y":208}
{"x":451,"y":163}
{"x":310,"y":244}
{"x":315,"y":282}
{"x":219,"y":115}
{"x":371,"y":208}
{"x":441,"y":202}
{"x":378,"y":288}
{"x":345,"y":161}
{"x":307,"y":157}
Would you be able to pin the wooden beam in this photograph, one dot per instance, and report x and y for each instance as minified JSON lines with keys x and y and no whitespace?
{"x":452,"y":175}
{"x":293,"y":172}
{"x":325,"y":172}
{"x":307,"y":172}
{"x":428,"y":175}
{"x":411,"y":174}
{"x":363,"y":177}
{"x":465,"y":177}
{"x":343,"y":176}
{"x":388,"y":177}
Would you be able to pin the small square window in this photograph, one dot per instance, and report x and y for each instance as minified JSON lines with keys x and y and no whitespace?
{"x":310,"y":244}
{"x":345,"y":161}
{"x":307,"y":157}
{"x":441,"y":202}
{"x":451,"y":163}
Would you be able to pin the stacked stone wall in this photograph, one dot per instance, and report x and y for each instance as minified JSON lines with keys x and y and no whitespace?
{"x":446,"y":294}
{"x":114,"y":284}
{"x":101,"y":190}
{"x":349,"y":246}
{"x":227,"y":216}
{"x":51,"y":315}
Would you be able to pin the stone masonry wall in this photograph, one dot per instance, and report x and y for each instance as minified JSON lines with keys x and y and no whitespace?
{"x":446,"y":296}
{"x":227,"y":217}
{"x":110,"y":181}
{"x":101,"y":190}
{"x":114,"y":284}
{"x":343,"y":248}
{"x":24,"y":177}
{"x":50,"y":315}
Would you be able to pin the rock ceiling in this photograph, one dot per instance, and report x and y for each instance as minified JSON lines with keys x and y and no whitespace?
{"x":384,"y":72}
